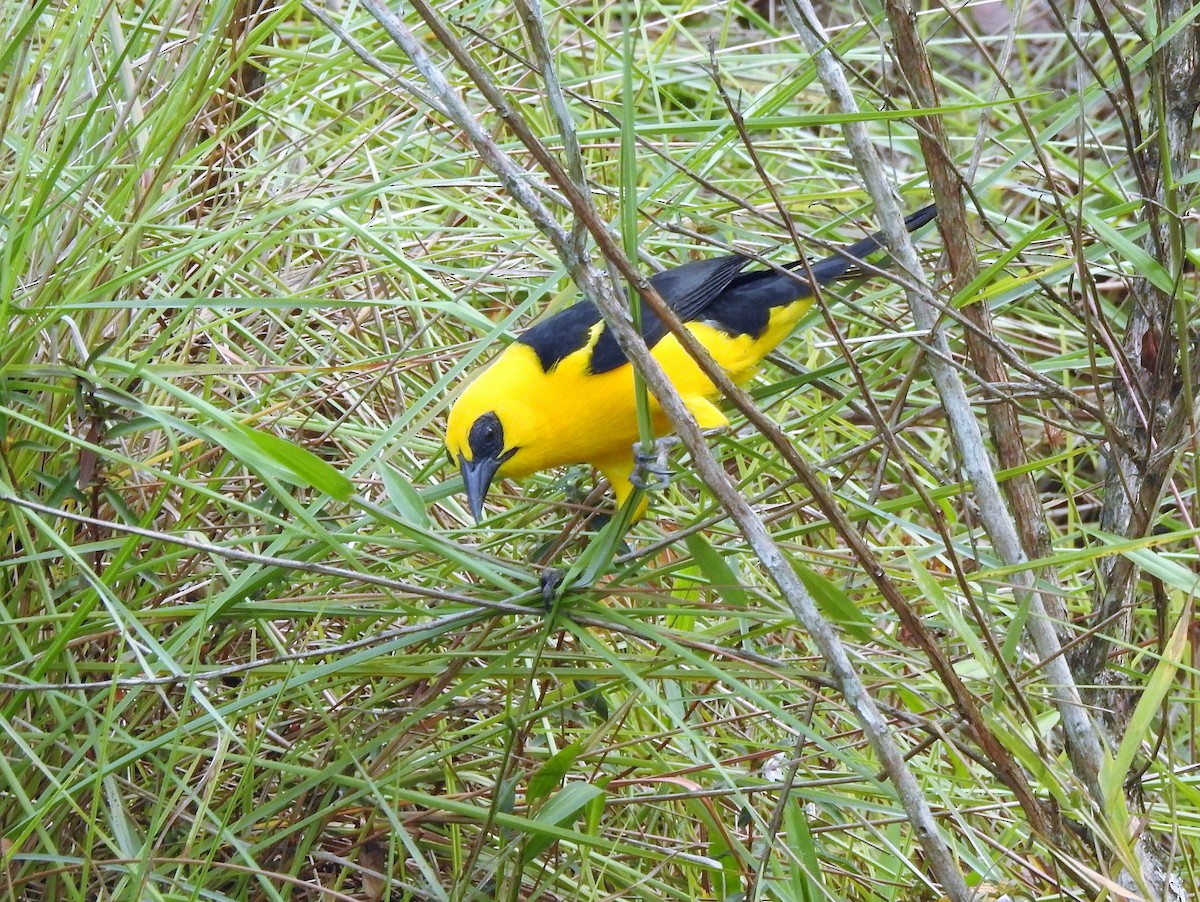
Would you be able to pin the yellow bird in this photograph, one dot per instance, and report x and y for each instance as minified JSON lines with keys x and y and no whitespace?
{"x":563,"y":393}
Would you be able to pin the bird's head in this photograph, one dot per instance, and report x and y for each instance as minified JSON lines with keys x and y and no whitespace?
{"x":488,"y":434}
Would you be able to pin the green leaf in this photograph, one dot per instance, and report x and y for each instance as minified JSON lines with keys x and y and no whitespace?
{"x":726,"y":880}
{"x":1142,"y":262}
{"x":1174,"y":575}
{"x":281,"y":458}
{"x":561,"y":809}
{"x":1148,"y":707}
{"x":598,"y":556}
{"x":805,"y":879}
{"x":551,"y":774}
{"x":593,"y":697}
{"x":408,"y":502}
{"x":717,"y":570}
{"x":835,"y":604}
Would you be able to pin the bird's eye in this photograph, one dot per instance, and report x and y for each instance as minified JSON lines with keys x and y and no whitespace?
{"x":487,"y":436}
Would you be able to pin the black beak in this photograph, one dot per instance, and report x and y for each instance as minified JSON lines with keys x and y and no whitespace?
{"x":477,"y":476}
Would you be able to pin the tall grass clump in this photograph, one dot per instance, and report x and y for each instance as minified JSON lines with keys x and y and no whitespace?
{"x":254,"y":646}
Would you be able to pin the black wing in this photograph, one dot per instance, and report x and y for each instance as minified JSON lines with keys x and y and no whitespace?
{"x":688,"y":289}
{"x":744,"y":307}
{"x":714,"y":290}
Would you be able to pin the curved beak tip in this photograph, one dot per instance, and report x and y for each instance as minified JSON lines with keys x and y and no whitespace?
{"x":476,"y":503}
{"x":477,"y":477}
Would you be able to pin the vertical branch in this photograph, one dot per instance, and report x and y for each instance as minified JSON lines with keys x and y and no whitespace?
{"x":530,"y":12}
{"x":981,"y":340}
{"x":1156,"y":401}
{"x":1002,"y":760}
{"x":1085,"y":746}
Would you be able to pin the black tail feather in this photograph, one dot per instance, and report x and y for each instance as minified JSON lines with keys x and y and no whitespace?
{"x":842,"y":263}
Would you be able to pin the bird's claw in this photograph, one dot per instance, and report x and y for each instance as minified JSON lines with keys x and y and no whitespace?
{"x":551,"y":584}
{"x":650,"y":469}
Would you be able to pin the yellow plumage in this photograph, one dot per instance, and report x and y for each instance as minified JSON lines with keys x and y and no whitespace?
{"x":572,"y":416}
{"x":563,"y":394}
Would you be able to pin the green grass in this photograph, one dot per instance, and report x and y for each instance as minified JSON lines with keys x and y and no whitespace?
{"x":228,"y":673}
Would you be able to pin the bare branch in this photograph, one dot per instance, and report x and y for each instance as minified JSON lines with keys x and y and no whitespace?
{"x":1086,"y":748}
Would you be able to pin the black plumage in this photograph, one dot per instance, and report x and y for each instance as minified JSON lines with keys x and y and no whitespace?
{"x":715,"y":291}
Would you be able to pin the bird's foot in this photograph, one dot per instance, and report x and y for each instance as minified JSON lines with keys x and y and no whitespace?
{"x":650,"y":469}
{"x":551,"y":586}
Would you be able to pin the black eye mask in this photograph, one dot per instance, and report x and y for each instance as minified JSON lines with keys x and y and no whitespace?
{"x":486,"y":439}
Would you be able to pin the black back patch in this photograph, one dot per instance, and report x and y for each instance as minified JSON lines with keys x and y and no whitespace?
{"x":689,"y":289}
{"x":715,"y":291}
{"x":562,"y":334}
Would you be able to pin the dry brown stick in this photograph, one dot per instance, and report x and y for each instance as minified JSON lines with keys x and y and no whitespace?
{"x":1084,"y":743}
{"x":1005,"y":764}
